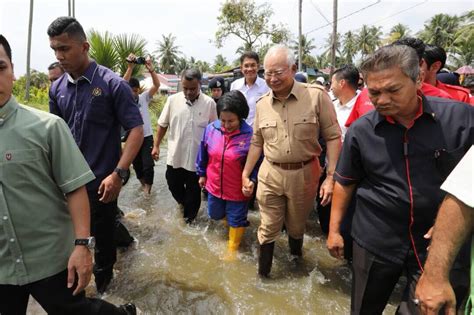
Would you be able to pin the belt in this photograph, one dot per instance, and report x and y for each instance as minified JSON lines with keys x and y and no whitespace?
{"x":292,"y":166}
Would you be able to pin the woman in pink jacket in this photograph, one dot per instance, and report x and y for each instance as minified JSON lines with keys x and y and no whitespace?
{"x":219,"y":165}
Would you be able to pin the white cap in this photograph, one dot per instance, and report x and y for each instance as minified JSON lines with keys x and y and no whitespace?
{"x":321,"y":80}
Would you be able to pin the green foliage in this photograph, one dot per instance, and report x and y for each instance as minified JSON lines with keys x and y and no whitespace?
{"x":397,"y":32}
{"x":168,"y":53}
{"x":155,"y":108}
{"x":250,"y":23}
{"x":124,"y":45}
{"x":111,"y":50}
{"x":38,"y":90}
{"x":220,"y":64}
{"x":306,"y":46}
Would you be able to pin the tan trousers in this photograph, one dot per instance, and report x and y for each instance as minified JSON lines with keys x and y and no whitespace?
{"x":285,"y":196}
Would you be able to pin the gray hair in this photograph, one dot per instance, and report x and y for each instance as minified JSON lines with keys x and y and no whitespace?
{"x":290,"y":56}
{"x":391,"y":56}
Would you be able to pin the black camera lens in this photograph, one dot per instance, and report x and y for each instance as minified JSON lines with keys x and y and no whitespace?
{"x":140,"y":60}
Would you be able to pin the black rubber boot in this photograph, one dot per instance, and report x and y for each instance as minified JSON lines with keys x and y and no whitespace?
{"x":296,"y":246}
{"x":265,"y":259}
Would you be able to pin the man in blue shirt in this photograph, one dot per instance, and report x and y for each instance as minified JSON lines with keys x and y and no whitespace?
{"x":95,"y":102}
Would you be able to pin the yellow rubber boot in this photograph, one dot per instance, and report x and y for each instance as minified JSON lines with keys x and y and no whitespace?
{"x":235,"y":237}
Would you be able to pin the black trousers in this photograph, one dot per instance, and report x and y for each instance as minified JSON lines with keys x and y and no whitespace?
{"x":184,"y":186}
{"x":54,"y":296}
{"x":143,"y":163}
{"x":103,"y":229}
{"x":374,"y":278}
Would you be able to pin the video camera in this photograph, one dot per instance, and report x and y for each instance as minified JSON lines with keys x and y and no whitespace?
{"x":138,"y":60}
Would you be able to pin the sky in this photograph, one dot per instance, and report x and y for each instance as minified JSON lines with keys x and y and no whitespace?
{"x":194,"y":23}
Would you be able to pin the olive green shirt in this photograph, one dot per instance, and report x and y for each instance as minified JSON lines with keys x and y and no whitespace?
{"x":39,"y":164}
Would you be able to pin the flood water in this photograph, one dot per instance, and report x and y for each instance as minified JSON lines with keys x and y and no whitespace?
{"x":175,"y":268}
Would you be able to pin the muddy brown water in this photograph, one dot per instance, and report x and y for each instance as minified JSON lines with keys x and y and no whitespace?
{"x":175,"y":268}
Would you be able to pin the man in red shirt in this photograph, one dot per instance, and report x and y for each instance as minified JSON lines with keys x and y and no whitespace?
{"x":434,"y":59}
{"x":363,"y":104}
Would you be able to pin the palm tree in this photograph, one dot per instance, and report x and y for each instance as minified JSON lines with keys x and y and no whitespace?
{"x":28,"y":53}
{"x":168,"y":53}
{"x":440,"y":30}
{"x":306,"y":46}
{"x":102,"y":49}
{"x":369,"y":39}
{"x":220,"y":64}
{"x":124,"y":45}
{"x":397,"y":32}
{"x":461,"y":52}
{"x":181,"y":65}
{"x":349,"y":49}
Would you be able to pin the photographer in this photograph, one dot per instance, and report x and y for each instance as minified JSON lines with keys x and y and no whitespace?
{"x":143,"y":163}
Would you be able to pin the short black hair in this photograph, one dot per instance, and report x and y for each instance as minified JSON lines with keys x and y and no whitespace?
{"x":417,"y":44}
{"x":134,"y":83}
{"x":234,"y":102}
{"x":434,"y":53}
{"x":191,"y":74}
{"x":68,"y":25}
{"x":348,"y":73}
{"x":6,"y":46}
{"x":54,"y":65}
{"x":251,"y":55}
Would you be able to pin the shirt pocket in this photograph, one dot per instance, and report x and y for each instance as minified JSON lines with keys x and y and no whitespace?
{"x":446,"y":160}
{"x":269,"y":131}
{"x":306,"y":128}
{"x":98,"y":111}
{"x":20,"y":164}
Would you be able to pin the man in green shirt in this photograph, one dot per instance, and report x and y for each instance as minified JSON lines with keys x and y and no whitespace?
{"x":45,"y":238}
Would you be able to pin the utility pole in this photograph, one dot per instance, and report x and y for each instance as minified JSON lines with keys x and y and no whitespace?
{"x":334,"y":36}
{"x":71,"y":8}
{"x":28,"y":54}
{"x":300,"y":35}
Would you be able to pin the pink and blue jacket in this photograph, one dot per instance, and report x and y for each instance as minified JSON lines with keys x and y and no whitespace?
{"x":221,"y":159}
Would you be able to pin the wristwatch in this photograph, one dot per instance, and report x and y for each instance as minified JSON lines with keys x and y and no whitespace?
{"x":88,"y":242}
{"x":123,"y":174}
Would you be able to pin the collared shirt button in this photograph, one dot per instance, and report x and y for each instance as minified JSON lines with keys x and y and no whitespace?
{"x":5,"y":218}
{"x":18,"y":260}
{"x":286,"y":136}
{"x":288,"y":151}
{"x":12,"y":240}
{"x":284,"y":120}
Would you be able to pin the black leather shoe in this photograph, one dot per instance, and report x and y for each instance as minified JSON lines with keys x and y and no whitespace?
{"x":265,"y":259}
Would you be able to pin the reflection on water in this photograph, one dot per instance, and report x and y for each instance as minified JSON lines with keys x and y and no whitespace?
{"x":175,"y":268}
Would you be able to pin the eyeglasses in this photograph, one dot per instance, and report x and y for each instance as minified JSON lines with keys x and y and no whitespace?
{"x":277,"y":73}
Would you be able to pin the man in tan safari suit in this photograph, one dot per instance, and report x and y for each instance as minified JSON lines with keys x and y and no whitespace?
{"x":287,"y":125}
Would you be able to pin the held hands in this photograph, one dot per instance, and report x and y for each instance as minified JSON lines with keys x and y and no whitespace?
{"x":202,"y":181}
{"x":80,"y":263}
{"x":110,"y":187}
{"x":131,"y":60}
{"x":155,"y":153}
{"x":247,"y":186}
{"x":149,"y":64}
{"x":335,"y":245}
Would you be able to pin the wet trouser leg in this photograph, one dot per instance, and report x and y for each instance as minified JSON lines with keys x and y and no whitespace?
{"x":175,"y":178}
{"x":143,"y":163}
{"x":192,"y":201}
{"x":54,"y":296}
{"x":103,"y":216}
{"x":372,"y":282}
{"x":184,"y":186}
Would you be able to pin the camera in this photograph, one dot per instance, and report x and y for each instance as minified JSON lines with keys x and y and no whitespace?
{"x":138,"y":60}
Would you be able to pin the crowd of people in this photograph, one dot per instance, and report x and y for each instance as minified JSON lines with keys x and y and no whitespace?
{"x":370,"y":151}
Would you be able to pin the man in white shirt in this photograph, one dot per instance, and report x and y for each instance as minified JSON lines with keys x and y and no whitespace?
{"x":344,"y":87}
{"x":252,"y":86}
{"x":186,"y":114}
{"x":143,"y":163}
